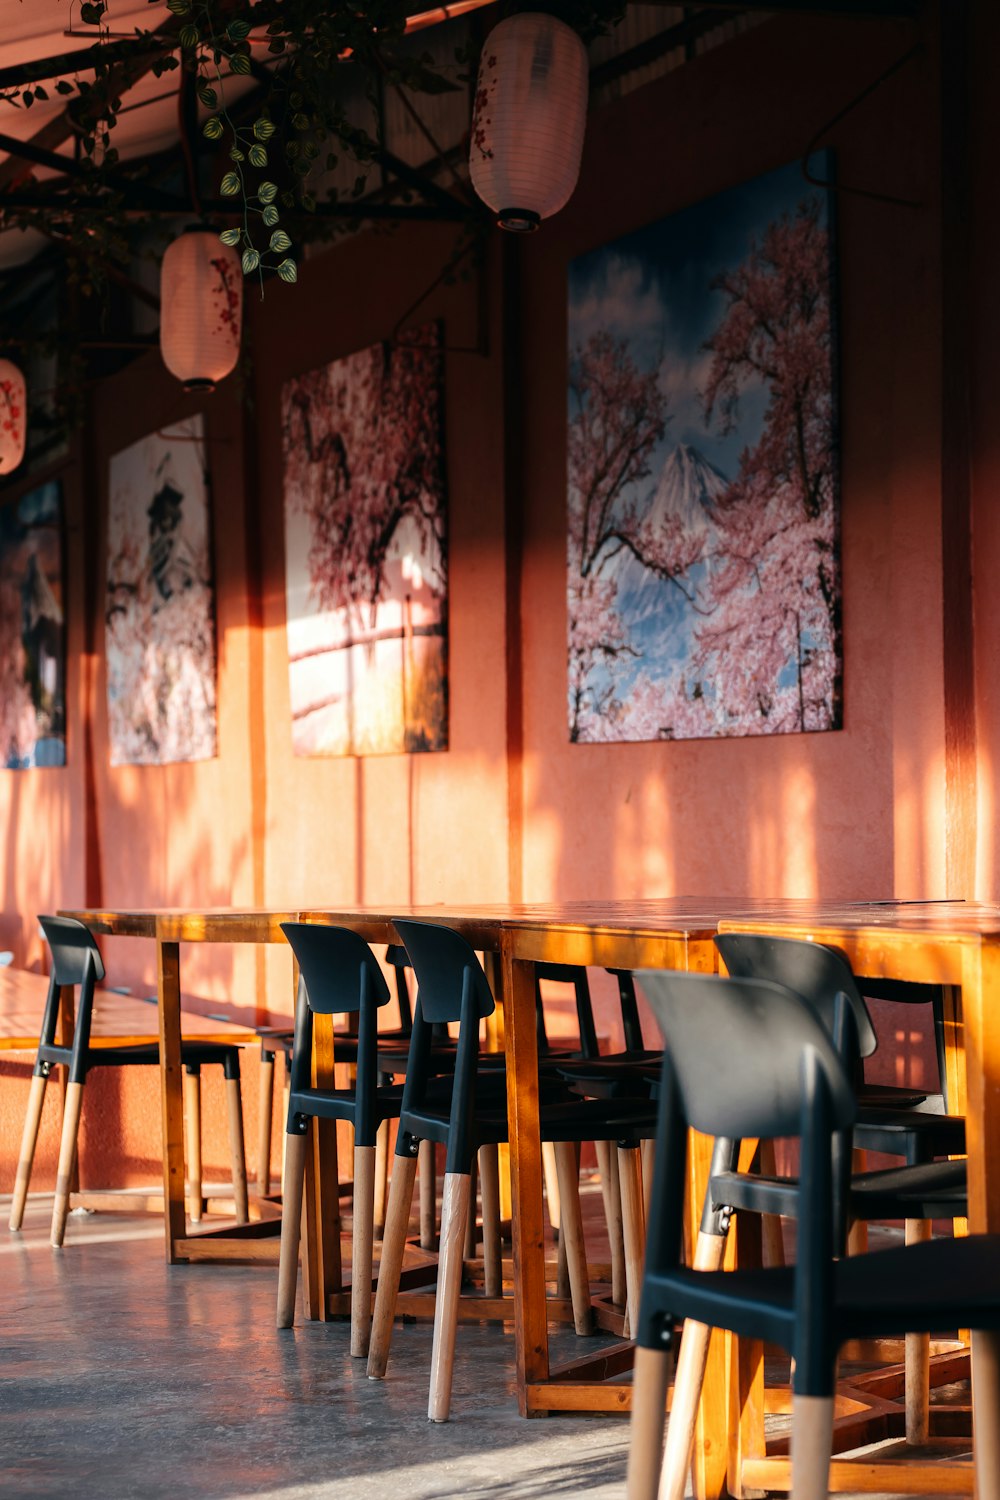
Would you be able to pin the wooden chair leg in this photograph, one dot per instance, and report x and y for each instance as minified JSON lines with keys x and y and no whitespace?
{"x":381,"y":1178}
{"x":67,"y":1159}
{"x":365,"y":1175}
{"x":812,"y":1442}
{"x":296,"y":1149}
{"x":552,"y":1181}
{"x":648,"y":1153}
{"x":266,"y":1111}
{"x":29,"y":1140}
{"x":986,"y":1411}
{"x":633,"y":1227}
{"x":285,"y":1092}
{"x":428,"y":1196}
{"x":397,"y":1221}
{"x":472,"y":1225}
{"x":649,"y":1402}
{"x":709,"y":1253}
{"x":917,"y":1360}
{"x":571,"y":1234}
{"x":454,"y":1222}
{"x":616,"y":1235}
{"x":192,"y":1143}
{"x":237,"y":1151}
{"x":489,"y":1185}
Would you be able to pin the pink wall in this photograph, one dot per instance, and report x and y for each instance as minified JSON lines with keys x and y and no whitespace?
{"x":503,"y":812}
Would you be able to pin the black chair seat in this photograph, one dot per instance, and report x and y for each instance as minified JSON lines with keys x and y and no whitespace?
{"x":888,"y":1096}
{"x":913,"y":1133}
{"x":933,"y":1190}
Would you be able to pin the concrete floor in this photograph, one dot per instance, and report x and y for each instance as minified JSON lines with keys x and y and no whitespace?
{"x":122,"y":1378}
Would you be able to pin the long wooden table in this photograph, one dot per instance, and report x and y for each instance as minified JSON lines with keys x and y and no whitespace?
{"x":955,"y":944}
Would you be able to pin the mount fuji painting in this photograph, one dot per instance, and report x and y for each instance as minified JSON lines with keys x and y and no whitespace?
{"x":703,"y":547}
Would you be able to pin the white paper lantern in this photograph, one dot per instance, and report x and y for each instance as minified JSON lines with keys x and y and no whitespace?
{"x":529,"y":119}
{"x":201,"y":309}
{"x":13,"y":416}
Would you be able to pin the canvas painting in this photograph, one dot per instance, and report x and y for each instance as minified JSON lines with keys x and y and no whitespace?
{"x":160,"y":606}
{"x":32,"y":631}
{"x":365,"y":547}
{"x":703,"y":509}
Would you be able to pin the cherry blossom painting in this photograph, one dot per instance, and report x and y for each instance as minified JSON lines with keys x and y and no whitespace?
{"x":367,"y":578}
{"x":703,"y":508}
{"x":32,"y":631}
{"x":160,"y":602}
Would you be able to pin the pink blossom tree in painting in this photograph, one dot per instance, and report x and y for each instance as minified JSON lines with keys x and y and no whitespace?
{"x":32,"y":631}
{"x":365,"y":545}
{"x":703,"y":584}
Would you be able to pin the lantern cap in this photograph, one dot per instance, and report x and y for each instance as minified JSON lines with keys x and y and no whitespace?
{"x":519,"y":220}
{"x":199,"y":386}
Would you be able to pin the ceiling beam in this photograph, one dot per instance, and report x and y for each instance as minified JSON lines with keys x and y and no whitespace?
{"x":224,"y":209}
{"x":655,"y":47}
{"x":142,"y":194}
{"x":904,"y":10}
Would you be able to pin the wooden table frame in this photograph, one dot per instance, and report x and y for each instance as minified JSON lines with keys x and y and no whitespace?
{"x":953,"y":944}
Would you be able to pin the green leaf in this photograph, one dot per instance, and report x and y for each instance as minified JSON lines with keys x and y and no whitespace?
{"x":308,"y":202}
{"x":212,"y":128}
{"x":230,"y":185}
{"x":302,"y":168}
{"x":239,"y":63}
{"x":300,"y":121}
{"x":208,"y":97}
{"x":40,"y":92}
{"x":189,"y":36}
{"x":267,"y":192}
{"x":270,"y":216}
{"x":238,"y":30}
{"x":264,"y":129}
{"x":279,"y":241}
{"x":62,"y":87}
{"x":179,"y":7}
{"x":235,"y":154}
{"x":251,"y":260}
{"x":28,"y":98}
{"x":288,"y":271}
{"x":258,"y":156}
{"x":230,"y":236}
{"x":91,"y":13}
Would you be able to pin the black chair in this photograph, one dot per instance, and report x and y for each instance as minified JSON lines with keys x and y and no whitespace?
{"x":922,"y":1191}
{"x":340,"y":976}
{"x":747,"y":1058}
{"x":76,"y":961}
{"x":453,"y":987}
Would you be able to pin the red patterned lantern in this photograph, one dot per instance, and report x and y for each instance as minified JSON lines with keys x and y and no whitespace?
{"x":529,"y":119}
{"x":201,"y":309}
{"x":13,"y":416}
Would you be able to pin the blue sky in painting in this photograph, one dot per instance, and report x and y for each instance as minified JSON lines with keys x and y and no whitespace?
{"x":653,"y":288}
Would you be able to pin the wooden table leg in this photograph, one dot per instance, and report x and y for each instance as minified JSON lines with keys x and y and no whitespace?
{"x":321,"y":1267}
{"x":168,"y":984}
{"x":527,"y":1227}
{"x":981,"y":1018}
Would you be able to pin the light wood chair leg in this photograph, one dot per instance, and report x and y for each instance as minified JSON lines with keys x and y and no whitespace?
{"x":192,"y":1143}
{"x":296,"y":1149}
{"x":397,"y":1222}
{"x":285,"y":1094}
{"x":812,"y":1442}
{"x":473,"y":1223}
{"x":917,"y":1360}
{"x":428,"y":1196}
{"x":986,"y":1412}
{"x":648,"y":1153}
{"x":67,"y":1159}
{"x":552,"y":1181}
{"x":773,"y":1242}
{"x":571,"y":1235}
{"x":237,"y":1150}
{"x":29,"y":1140}
{"x":616,"y":1234}
{"x":709,"y":1253}
{"x":365,"y":1178}
{"x":381,"y":1178}
{"x":649,"y":1402}
{"x":489,"y":1186}
{"x":454,"y":1221}
{"x":633,"y":1227}
{"x":266,"y":1111}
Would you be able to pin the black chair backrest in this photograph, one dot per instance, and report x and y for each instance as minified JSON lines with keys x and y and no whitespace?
{"x":738,"y":1047}
{"x":338,"y":967}
{"x":441,"y":959}
{"x":815,"y":972}
{"x":395,"y":957}
{"x":576,"y":976}
{"x":74,"y":951}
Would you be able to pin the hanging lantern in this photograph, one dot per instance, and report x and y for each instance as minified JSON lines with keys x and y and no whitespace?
{"x":13,"y":416}
{"x":529,"y":118}
{"x":201,"y":309}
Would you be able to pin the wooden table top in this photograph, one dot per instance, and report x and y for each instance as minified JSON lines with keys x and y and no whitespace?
{"x":119,"y":1020}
